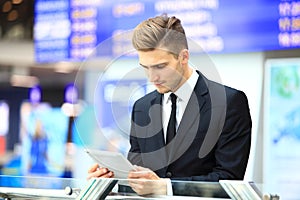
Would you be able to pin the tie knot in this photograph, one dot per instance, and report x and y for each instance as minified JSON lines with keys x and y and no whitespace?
{"x":173,"y":98}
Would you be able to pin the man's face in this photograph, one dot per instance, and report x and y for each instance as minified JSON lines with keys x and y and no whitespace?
{"x":163,"y":70}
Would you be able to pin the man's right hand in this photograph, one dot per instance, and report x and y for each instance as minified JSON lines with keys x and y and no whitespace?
{"x":99,"y":172}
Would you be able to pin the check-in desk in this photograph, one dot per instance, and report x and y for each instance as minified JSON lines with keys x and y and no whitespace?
{"x":13,"y":187}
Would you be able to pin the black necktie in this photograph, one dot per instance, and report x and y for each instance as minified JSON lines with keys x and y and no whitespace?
{"x":171,"y":131}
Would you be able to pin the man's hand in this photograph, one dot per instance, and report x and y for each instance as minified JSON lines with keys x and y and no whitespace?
{"x":99,"y":172}
{"x":145,"y":182}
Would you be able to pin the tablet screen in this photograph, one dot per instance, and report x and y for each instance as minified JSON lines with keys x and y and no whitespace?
{"x":114,"y":161}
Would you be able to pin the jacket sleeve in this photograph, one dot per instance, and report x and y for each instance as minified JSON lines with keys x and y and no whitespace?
{"x":134,"y":154}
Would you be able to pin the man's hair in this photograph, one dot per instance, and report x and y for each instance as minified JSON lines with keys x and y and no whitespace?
{"x":161,"y":32}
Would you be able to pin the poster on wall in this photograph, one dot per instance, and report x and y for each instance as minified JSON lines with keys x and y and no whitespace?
{"x":282,"y":127}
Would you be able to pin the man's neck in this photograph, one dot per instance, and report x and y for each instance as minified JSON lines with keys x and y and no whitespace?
{"x":186,"y":76}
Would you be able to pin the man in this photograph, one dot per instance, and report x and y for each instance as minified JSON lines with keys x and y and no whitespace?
{"x":212,"y":133}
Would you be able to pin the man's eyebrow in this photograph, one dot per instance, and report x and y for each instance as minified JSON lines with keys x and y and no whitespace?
{"x":143,"y":65}
{"x":164,"y":63}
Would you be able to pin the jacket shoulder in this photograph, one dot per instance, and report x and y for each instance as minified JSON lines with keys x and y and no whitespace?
{"x":146,"y":100}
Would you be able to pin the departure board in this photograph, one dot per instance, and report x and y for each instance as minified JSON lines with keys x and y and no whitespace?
{"x":69,"y":30}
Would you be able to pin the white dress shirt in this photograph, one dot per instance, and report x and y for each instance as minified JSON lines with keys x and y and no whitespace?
{"x":183,"y":95}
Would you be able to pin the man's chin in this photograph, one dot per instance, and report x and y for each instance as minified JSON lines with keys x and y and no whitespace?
{"x":162,"y":90}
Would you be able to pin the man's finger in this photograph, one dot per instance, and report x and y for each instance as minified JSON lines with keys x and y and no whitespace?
{"x":142,"y":175}
{"x":93,"y":168}
{"x":108,"y":175}
{"x":100,"y":172}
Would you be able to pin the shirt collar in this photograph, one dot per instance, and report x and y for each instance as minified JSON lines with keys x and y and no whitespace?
{"x":185,"y":91}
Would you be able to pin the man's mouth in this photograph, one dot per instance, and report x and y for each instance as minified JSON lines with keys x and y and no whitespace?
{"x":158,"y":84}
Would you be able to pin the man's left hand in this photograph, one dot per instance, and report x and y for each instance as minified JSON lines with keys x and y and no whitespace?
{"x":145,"y":182}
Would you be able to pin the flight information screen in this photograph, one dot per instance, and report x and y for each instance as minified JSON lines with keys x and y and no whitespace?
{"x":70,"y":30}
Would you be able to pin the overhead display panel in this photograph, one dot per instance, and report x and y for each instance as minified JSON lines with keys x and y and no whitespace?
{"x":69,"y":30}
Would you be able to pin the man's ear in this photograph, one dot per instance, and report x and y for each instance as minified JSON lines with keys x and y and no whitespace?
{"x":184,"y":56}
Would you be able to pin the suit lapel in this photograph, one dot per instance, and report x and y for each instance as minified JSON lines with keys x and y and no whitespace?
{"x":188,"y":126}
{"x":194,"y":105}
{"x":155,"y":113}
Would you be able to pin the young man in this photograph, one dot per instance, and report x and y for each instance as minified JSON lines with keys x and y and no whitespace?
{"x":211,"y":128}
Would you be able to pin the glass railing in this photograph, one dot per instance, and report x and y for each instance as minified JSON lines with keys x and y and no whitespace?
{"x":20,"y":187}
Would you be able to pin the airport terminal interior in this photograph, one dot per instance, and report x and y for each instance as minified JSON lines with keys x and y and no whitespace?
{"x":69,"y":77}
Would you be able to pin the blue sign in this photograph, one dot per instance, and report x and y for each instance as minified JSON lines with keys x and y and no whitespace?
{"x":71,"y":30}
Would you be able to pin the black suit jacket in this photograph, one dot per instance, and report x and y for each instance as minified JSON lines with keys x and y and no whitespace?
{"x":212,"y":141}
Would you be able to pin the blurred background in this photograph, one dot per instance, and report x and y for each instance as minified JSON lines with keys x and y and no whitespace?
{"x":69,"y":76}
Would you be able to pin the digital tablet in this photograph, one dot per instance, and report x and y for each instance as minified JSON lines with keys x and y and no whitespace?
{"x":114,"y":161}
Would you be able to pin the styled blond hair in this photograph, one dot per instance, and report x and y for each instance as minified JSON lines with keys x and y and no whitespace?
{"x":161,"y":32}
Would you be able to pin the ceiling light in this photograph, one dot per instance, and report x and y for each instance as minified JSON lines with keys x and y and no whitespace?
{"x":63,"y":67}
{"x":6,"y":6}
{"x":17,"y":1}
{"x":23,"y":81}
{"x":13,"y":15}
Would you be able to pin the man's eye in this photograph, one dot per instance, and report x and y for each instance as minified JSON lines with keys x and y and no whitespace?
{"x":145,"y":67}
{"x":160,"y":66}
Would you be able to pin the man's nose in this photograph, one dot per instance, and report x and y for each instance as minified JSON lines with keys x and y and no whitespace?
{"x":152,"y":75}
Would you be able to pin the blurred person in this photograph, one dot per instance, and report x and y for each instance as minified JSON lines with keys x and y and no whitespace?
{"x":38,"y":150}
{"x":213,"y":123}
